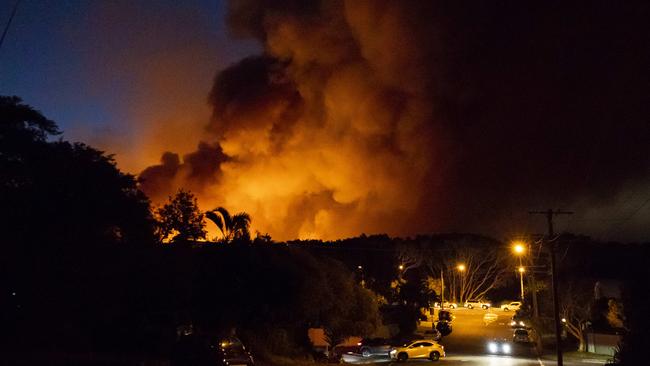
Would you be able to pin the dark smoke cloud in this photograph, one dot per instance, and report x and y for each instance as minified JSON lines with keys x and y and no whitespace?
{"x":407,"y":117}
{"x":199,"y":169}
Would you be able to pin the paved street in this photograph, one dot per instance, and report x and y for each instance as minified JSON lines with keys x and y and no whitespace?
{"x":472,"y":329}
{"x":467,"y":344}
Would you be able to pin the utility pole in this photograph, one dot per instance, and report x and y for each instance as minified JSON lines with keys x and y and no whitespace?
{"x":556,"y":303}
{"x":533,"y":284}
{"x":442,"y":290}
{"x":521,"y":279}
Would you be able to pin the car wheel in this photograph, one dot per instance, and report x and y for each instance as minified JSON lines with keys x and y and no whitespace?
{"x":434,"y":356}
{"x":484,"y":307}
{"x":365,"y":352}
{"x":470,"y":307}
{"x":402,"y":357}
{"x":506,"y":309}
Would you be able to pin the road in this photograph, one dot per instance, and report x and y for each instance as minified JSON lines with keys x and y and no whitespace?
{"x":467,"y":344}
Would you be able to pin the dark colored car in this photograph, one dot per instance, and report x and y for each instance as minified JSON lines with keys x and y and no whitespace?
{"x":404,"y":340}
{"x":231,"y":352}
{"x":521,"y":336}
{"x":196,"y":350}
{"x":374,"y":347}
{"x":444,"y":328}
{"x":444,"y":315}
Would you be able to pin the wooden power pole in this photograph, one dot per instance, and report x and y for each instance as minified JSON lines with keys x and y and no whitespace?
{"x":556,"y":303}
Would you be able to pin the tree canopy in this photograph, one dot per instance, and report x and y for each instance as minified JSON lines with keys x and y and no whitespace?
{"x":233,"y":228}
{"x":66,"y":214}
{"x":180,"y":219}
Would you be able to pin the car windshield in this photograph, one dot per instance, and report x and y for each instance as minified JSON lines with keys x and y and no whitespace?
{"x":521,"y":332}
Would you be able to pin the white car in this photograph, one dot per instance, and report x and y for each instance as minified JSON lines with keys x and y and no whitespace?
{"x":514,"y":306}
{"x":418,"y":349}
{"x":446,"y":304}
{"x":471,"y":304}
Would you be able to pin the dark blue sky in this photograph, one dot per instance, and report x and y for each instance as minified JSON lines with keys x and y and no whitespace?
{"x":85,"y":63}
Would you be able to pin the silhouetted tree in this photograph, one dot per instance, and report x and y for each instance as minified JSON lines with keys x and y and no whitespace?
{"x":67,"y":218}
{"x":233,"y":228}
{"x":575,"y":308}
{"x":180,"y":219}
{"x":350,"y":310}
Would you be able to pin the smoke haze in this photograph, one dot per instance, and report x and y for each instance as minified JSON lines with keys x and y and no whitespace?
{"x":406,"y":117}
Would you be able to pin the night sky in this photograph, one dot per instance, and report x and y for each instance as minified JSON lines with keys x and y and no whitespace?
{"x":89,"y":64}
{"x":387,"y":116}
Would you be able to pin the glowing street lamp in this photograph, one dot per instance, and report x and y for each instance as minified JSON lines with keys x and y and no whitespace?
{"x":401,"y":267}
{"x":461,"y":267}
{"x":519,"y":248}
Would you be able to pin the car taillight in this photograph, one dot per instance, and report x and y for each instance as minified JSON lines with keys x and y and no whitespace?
{"x":358,"y":344}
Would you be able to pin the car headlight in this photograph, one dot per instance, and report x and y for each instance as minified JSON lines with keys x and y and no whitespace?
{"x":513,"y":323}
{"x":506,"y":348}
{"x":493,"y":347}
{"x":393,"y":351}
{"x":522,"y":323}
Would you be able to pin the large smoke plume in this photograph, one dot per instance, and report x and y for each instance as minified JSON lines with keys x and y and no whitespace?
{"x":406,"y":117}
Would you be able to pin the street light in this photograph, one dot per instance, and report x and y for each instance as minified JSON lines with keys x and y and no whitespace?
{"x":519,"y":248}
{"x":461,"y":267}
{"x":401,"y":267}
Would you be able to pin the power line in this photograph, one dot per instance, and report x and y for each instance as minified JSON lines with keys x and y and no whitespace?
{"x":11,"y":17}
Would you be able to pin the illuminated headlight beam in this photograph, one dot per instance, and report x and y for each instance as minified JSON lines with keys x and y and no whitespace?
{"x":492,"y":347}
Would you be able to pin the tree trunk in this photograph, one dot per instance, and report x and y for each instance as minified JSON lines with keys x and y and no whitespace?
{"x":582,"y":342}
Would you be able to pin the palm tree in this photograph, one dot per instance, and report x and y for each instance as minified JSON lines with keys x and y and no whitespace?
{"x":233,"y":228}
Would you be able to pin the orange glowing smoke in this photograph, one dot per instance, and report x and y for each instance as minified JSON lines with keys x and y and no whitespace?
{"x":327,"y":136}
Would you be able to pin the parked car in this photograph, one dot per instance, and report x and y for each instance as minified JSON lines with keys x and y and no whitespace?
{"x":418,"y":349}
{"x":444,"y":327}
{"x":405,"y":340}
{"x":471,"y":304}
{"x":514,"y":306}
{"x":521,"y":335}
{"x":432,"y":334}
{"x":499,"y":346}
{"x":446,"y":304}
{"x":445,"y":315}
{"x":374,"y":347}
{"x":231,"y":351}
{"x":197,"y":349}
